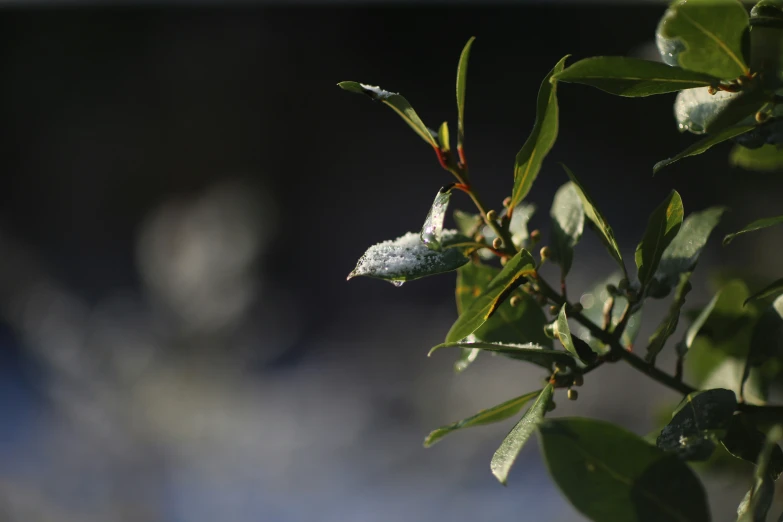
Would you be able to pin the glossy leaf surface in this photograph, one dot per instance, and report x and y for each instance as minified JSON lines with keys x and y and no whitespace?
{"x":703,"y":145}
{"x":662,"y":227}
{"x":462,"y":78}
{"x":432,"y":231}
{"x":759,"y":224}
{"x":568,"y":220}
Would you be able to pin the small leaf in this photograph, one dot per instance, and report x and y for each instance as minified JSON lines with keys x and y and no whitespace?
{"x":633,"y":77}
{"x":574,"y":345}
{"x":669,"y":323}
{"x":662,"y":227}
{"x":513,"y":274}
{"x":495,"y":414}
{"x":703,"y":145}
{"x":693,"y":331}
{"x":767,"y":158}
{"x":756,"y":504}
{"x":704,"y":36}
{"x":756,"y":225}
{"x":608,"y":473}
{"x":744,"y":441}
{"x":462,"y":77}
{"x":568,"y":219}
{"x":597,"y":218}
{"x":767,"y":340}
{"x":508,"y":451}
{"x":397,"y":103}
{"x":443,"y":137}
{"x":432,"y":230}
{"x":683,"y":252}
{"x":774,"y":288}
{"x":691,"y":434}
{"x":405,"y":259}
{"x":529,"y":352}
{"x":542,"y":138}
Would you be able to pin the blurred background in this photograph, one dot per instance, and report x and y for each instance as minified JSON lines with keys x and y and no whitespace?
{"x":183,"y":192}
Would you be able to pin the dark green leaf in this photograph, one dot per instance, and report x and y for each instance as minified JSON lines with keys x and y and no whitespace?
{"x":568,"y":219}
{"x":745,"y":441}
{"x":767,"y":158}
{"x":462,"y":77}
{"x":405,"y":259}
{"x":662,"y":227}
{"x":529,"y":352}
{"x":397,"y":103}
{"x":774,"y":288}
{"x":443,"y":137}
{"x":696,"y":424}
{"x":756,"y":225}
{"x":683,"y":252}
{"x":767,"y":340}
{"x":597,"y":218}
{"x":633,"y":77}
{"x":756,"y":504}
{"x":513,"y":274}
{"x":705,"y":36}
{"x":509,"y":450}
{"x":669,"y":323}
{"x":495,"y":414}
{"x":608,"y":473}
{"x":703,"y":145}
{"x":542,"y":138}
{"x":432,"y":230}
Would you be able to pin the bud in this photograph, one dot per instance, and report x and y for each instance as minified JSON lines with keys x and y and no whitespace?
{"x":492,"y":215}
{"x":711,"y":89}
{"x":761,"y":117}
{"x":545,"y":253}
{"x":515,"y":300}
{"x":551,"y":406}
{"x":497,"y":243}
{"x":549,"y":330}
{"x":560,"y":368}
{"x":572,"y":394}
{"x":535,"y":236}
{"x":503,"y":261}
{"x":553,"y":310}
{"x":507,"y":202}
{"x":480,"y":238}
{"x":623,"y":284}
{"x":578,"y":379}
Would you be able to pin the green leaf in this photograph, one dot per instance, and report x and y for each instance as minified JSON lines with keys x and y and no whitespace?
{"x":662,"y":227}
{"x":633,"y":77}
{"x":568,"y":220}
{"x":767,"y":340}
{"x":512,"y":275}
{"x":443,"y":137}
{"x":608,"y":473}
{"x":517,"y":227}
{"x":495,"y":414}
{"x":774,"y":288}
{"x":740,"y":110}
{"x":744,"y":441}
{"x":695,"y":108}
{"x":756,"y":225}
{"x":704,"y":36}
{"x":462,"y":77}
{"x":669,"y":323}
{"x":508,"y":451}
{"x":683,"y":252}
{"x":574,"y":345}
{"x":757,"y":502}
{"x":405,"y":259}
{"x":697,"y":324}
{"x":467,"y":224}
{"x":693,"y":430}
{"x":767,"y":158}
{"x":597,"y":218}
{"x":704,"y":145}
{"x":529,"y":352}
{"x":432,"y":231}
{"x":397,"y":103}
{"x":542,"y":138}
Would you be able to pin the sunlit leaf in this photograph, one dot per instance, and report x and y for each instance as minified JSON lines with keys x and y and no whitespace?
{"x":774,"y":288}
{"x":510,"y":277}
{"x":529,"y":352}
{"x":662,"y":227}
{"x":704,"y":36}
{"x":696,"y":424}
{"x":490,"y":415}
{"x":568,"y":219}
{"x":608,"y":473}
{"x":530,"y":158}
{"x":633,"y":77}
{"x":444,"y":139}
{"x":767,"y":158}
{"x":597,"y":218}
{"x":462,"y":76}
{"x":576,"y":346}
{"x":703,"y":145}
{"x":508,"y":451}
{"x":397,"y":103}
{"x":432,"y":230}
{"x":695,"y":108}
{"x":759,"y":224}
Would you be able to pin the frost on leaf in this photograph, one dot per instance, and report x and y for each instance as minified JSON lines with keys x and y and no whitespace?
{"x":405,"y":259}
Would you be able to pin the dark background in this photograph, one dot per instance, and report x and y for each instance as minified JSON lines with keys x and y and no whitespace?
{"x":183,"y":193}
